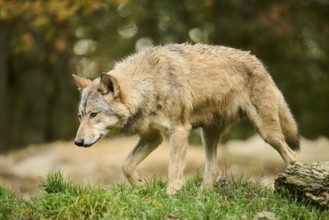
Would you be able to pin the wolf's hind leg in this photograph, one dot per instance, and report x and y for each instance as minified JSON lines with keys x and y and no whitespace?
{"x":266,"y":121}
{"x":210,"y":138}
{"x":145,"y":145}
{"x":276,"y":140}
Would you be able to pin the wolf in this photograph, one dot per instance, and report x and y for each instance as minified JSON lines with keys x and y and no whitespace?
{"x":169,"y":90}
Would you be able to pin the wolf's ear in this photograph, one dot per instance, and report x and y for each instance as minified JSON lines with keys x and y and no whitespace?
{"x":81,"y":82}
{"x":108,"y":84}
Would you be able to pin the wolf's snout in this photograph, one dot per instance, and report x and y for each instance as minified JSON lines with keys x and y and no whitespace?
{"x":79,"y":142}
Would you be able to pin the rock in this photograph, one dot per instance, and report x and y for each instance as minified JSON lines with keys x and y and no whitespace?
{"x":306,"y":182}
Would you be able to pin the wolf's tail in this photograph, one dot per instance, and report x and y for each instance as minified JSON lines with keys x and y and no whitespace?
{"x":288,"y":126}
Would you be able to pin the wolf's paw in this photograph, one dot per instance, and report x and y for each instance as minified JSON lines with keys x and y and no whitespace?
{"x":171,"y":191}
{"x":140,"y":181}
{"x":292,"y":162}
{"x":208,"y":182}
{"x":136,"y":180}
{"x":206,"y":186}
{"x":173,"y":188}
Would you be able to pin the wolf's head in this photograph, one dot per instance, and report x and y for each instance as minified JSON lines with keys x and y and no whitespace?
{"x":100,"y":109}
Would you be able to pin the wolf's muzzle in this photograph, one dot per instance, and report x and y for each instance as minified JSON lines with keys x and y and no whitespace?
{"x":79,"y":142}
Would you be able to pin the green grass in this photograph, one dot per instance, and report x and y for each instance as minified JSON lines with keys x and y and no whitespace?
{"x":11,"y":207}
{"x":233,"y":198}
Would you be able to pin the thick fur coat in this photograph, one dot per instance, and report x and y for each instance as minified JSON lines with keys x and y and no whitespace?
{"x":172,"y":89}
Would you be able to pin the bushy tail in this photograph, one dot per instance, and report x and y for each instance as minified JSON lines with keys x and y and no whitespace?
{"x":288,"y":126}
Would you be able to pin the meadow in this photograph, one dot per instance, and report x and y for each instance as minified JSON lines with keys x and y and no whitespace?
{"x":231,"y":198}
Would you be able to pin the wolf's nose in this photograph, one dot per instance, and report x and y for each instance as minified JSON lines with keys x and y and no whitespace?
{"x":79,"y":142}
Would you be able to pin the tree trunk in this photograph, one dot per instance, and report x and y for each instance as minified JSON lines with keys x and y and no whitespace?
{"x":4,"y":129}
{"x":308,"y":182}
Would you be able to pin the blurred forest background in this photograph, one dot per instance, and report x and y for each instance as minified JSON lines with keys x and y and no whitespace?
{"x":43,"y":42}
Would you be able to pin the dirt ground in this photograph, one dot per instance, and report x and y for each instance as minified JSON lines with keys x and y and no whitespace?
{"x":101,"y":164}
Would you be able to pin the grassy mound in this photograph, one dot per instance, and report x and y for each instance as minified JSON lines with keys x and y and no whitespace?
{"x":236,"y":198}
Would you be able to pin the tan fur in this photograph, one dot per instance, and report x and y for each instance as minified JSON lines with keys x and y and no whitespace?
{"x":172,"y":89}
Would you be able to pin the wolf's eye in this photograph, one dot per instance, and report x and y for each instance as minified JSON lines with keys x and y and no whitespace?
{"x":93,"y":114}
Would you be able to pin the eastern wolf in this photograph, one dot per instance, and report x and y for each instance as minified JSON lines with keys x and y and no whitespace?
{"x":168,"y":90}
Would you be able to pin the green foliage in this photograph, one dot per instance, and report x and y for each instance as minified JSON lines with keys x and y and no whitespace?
{"x":55,"y":184}
{"x":231,"y":198}
{"x":11,"y":207}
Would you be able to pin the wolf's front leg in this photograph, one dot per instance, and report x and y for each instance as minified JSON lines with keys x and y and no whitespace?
{"x":145,"y":145}
{"x":178,"y":146}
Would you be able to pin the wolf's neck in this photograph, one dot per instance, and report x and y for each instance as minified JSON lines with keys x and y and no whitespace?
{"x":133,"y":121}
